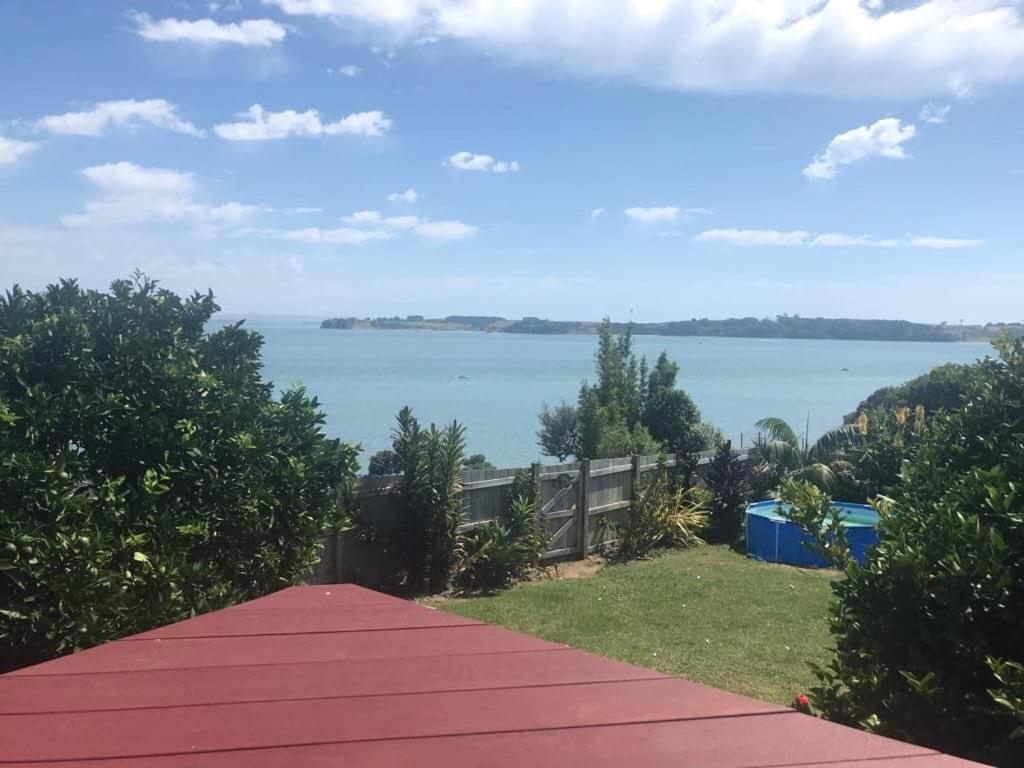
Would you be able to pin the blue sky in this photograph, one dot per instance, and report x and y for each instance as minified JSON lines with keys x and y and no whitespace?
{"x":708,"y":158}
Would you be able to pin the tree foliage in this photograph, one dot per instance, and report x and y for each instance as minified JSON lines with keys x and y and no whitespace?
{"x":930,"y":630}
{"x":499,"y":552}
{"x":383,"y":462}
{"x":727,"y":479}
{"x":781,"y":453}
{"x":628,"y":410}
{"x":146,"y":471}
{"x":477,"y":461}
{"x":430,"y":489}
{"x":666,"y":512}
{"x":943,"y":388}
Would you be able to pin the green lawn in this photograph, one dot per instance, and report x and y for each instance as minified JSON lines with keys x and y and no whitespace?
{"x":707,"y":614}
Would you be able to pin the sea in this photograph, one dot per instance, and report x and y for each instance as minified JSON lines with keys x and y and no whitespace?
{"x":496,"y":383}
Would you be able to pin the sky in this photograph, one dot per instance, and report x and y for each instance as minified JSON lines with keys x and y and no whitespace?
{"x":645,"y":159}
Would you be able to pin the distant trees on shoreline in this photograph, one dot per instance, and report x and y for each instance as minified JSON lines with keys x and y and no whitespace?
{"x":781,"y":327}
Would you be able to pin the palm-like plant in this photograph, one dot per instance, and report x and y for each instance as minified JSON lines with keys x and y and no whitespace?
{"x":782,"y":453}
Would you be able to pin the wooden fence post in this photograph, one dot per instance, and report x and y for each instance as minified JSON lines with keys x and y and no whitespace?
{"x":636,"y":478}
{"x":538,"y":497}
{"x":583,"y":506}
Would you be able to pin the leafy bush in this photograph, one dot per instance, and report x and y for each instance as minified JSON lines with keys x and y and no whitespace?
{"x":146,"y":471}
{"x":885,"y":440}
{"x":559,"y":430}
{"x":477,"y":461}
{"x":628,"y":411}
{"x":780,"y":453}
{"x":499,"y":552}
{"x":430,"y":461}
{"x":812,"y":509}
{"x":383,"y":463}
{"x":727,"y":480}
{"x":941,"y":389}
{"x":930,"y":629}
{"x":663,"y":514}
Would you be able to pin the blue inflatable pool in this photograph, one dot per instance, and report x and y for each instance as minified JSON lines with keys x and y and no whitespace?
{"x":772,"y":537}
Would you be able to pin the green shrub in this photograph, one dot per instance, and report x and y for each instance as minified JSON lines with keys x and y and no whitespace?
{"x":886,"y":438}
{"x":383,"y":463}
{"x":779,"y":453}
{"x":812,"y":509}
{"x":727,"y":481}
{"x":628,"y":411}
{"x":930,"y":630}
{"x":663,"y":514}
{"x":943,"y":388}
{"x":430,"y":490}
{"x":477,"y":461}
{"x":499,"y":552}
{"x":146,"y":471}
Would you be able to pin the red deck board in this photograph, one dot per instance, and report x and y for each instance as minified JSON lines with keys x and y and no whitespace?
{"x":137,"y":655}
{"x":222,"y":685}
{"x":300,"y":621}
{"x":351,"y":689}
{"x":329,"y":596}
{"x":760,"y":741}
{"x":185,"y":730}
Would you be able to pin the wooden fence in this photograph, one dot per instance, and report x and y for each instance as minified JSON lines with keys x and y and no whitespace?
{"x":572,"y":501}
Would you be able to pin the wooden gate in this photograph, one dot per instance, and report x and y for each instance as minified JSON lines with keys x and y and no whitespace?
{"x":559,"y":509}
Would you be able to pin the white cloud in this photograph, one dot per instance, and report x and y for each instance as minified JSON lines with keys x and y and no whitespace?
{"x":129,"y":178}
{"x":263,"y":125}
{"x":12,"y":150}
{"x":409,"y":196}
{"x":653,"y":214}
{"x":753,"y":237}
{"x":252,"y":32}
{"x":103,"y":114}
{"x":402,"y":222}
{"x":468,"y":161}
{"x":363,"y":217}
{"x":880,"y":139}
{"x":597,"y":213}
{"x":338,"y":236}
{"x":445,"y":230}
{"x":698,"y":212}
{"x":366,"y":226}
{"x":132,"y":194}
{"x":943,"y":243}
{"x":934,"y":113}
{"x":841,"y":47}
{"x":349,"y":70}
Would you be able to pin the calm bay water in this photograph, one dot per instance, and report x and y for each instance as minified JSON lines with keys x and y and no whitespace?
{"x":363,"y":378}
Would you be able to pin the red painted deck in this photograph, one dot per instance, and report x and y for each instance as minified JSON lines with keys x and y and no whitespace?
{"x":342,"y":676}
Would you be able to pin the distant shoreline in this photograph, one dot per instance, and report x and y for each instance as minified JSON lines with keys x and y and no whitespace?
{"x":781,"y":327}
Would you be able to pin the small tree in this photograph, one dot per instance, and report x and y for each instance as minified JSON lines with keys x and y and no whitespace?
{"x":628,"y":410}
{"x":559,"y":431}
{"x":430,"y":461}
{"x":383,"y":463}
{"x":727,"y":478}
{"x":477,"y":461}
{"x":147,"y":473}
{"x":669,"y":414}
{"x":781,"y":454}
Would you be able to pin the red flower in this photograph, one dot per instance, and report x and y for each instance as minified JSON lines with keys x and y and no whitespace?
{"x":802,"y":703}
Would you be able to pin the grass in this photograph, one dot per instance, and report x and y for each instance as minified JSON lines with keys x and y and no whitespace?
{"x":707,"y":614}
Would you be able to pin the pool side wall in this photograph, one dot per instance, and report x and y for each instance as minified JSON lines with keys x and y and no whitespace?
{"x":779,"y":541}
